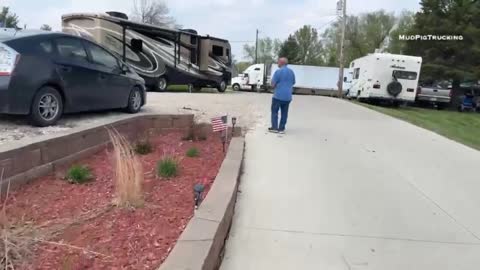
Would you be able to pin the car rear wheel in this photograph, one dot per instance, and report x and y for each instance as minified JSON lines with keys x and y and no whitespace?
{"x":47,"y":107}
{"x":135,"y":101}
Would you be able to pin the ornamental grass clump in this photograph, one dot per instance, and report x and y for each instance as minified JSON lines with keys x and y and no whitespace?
{"x":128,"y":172}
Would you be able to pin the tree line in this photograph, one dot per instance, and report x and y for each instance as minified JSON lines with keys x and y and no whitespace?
{"x":457,"y":60}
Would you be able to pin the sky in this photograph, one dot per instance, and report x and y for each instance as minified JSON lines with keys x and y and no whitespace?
{"x":235,"y":20}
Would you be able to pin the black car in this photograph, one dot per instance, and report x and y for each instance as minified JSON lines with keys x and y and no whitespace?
{"x":45,"y":75}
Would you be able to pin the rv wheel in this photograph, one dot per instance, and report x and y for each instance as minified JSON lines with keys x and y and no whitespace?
{"x":222,"y":87}
{"x":162,"y":84}
{"x":236,"y":87}
{"x":394,"y":88}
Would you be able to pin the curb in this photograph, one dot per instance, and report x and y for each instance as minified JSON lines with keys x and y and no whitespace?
{"x":201,"y":243}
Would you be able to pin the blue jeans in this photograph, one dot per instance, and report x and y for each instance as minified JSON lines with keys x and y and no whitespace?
{"x":283,"y":107}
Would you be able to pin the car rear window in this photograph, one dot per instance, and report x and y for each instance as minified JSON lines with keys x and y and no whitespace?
{"x":46,"y":46}
{"x":71,"y":48}
{"x":405,"y":75}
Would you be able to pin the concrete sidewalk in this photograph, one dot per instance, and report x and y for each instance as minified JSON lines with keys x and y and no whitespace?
{"x":349,"y":188}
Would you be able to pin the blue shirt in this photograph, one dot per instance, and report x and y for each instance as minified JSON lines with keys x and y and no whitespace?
{"x":284,"y":80}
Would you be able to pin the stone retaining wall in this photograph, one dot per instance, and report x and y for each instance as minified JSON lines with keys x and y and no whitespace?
{"x":27,"y":162}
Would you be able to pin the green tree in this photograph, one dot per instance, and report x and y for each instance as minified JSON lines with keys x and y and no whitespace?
{"x":290,"y":49}
{"x":403,"y":26}
{"x":377,"y":26}
{"x":309,"y":46}
{"x":330,"y":46}
{"x":363,"y":34}
{"x":46,"y":27}
{"x":448,"y":59}
{"x":267,"y":50}
{"x":8,"y":19}
{"x":241,"y":66}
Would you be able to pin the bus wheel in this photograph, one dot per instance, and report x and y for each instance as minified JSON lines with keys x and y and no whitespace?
{"x":162,"y":84}
{"x":194,"y":88}
{"x":222,"y":87}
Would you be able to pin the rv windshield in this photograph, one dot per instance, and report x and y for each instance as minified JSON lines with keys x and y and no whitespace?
{"x":404,"y":75}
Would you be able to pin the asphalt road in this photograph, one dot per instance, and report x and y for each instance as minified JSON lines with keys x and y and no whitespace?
{"x":350,"y":188}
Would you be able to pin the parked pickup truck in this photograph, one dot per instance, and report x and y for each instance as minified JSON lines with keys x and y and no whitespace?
{"x":436,"y":95}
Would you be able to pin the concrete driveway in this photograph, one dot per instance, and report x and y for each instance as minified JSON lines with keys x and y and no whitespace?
{"x":349,"y":188}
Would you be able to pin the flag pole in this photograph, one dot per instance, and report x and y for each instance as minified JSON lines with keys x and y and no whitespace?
{"x":226,"y":136}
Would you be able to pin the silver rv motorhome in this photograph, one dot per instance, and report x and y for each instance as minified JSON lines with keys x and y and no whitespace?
{"x":387,"y":77}
{"x":161,"y":56}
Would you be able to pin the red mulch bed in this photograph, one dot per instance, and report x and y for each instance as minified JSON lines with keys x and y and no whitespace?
{"x":124,"y":238}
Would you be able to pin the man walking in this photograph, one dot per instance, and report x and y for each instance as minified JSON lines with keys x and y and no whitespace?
{"x":283,"y":81}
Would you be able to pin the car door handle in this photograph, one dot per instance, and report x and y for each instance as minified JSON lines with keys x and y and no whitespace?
{"x":103,"y":77}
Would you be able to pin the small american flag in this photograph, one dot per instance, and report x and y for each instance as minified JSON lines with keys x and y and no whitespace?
{"x":219,"y":123}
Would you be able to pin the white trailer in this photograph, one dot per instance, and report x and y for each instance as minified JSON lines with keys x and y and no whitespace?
{"x":309,"y":78}
{"x":384,"y":76}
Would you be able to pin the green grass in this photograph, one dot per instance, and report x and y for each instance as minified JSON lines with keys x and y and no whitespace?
{"x":178,"y":88}
{"x":79,"y":174}
{"x":193,"y":152}
{"x":167,"y":167}
{"x":184,"y":88}
{"x":460,"y":127}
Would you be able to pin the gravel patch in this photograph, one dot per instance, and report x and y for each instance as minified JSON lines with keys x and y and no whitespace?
{"x":251,"y":110}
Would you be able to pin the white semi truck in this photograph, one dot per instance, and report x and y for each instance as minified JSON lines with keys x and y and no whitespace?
{"x":312,"y":79}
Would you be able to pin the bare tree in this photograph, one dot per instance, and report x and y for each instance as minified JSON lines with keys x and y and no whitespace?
{"x":154,"y":12}
{"x":46,"y":27}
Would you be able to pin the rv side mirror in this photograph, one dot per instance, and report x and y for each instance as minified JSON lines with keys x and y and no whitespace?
{"x":137,"y":45}
{"x":124,"y":69}
{"x":344,"y":79}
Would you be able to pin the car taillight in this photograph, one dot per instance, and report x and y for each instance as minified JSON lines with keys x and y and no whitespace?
{"x":419,"y":90}
{"x":9,"y":58}
{"x":450,"y":93}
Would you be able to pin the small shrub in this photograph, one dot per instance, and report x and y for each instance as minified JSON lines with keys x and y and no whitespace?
{"x":143,"y":148}
{"x":167,"y":167}
{"x":193,"y":152}
{"x":79,"y":174}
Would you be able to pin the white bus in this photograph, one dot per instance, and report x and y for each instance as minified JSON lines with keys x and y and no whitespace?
{"x":162,"y":56}
{"x":384,"y":76}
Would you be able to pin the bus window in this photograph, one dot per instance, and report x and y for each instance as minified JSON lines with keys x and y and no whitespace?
{"x":217,"y":50}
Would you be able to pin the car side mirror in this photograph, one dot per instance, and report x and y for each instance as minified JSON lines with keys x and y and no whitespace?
{"x":344,"y":79}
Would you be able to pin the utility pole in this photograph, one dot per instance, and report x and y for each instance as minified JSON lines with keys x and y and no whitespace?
{"x":256,"y":48}
{"x":343,"y":5}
